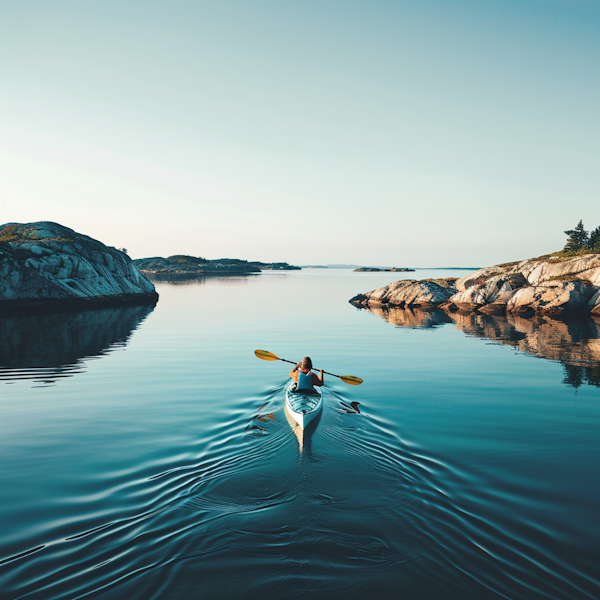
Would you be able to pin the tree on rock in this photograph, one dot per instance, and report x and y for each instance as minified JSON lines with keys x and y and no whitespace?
{"x":594,"y":243}
{"x":578,"y":238}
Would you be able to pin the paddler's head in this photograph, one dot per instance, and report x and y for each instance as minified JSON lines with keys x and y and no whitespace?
{"x":306,"y":364}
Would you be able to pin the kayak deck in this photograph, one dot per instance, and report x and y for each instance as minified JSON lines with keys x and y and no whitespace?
{"x":303,"y":402}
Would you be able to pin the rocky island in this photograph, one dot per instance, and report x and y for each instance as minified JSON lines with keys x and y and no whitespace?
{"x":181,"y":264}
{"x":46,"y":266}
{"x":391,"y":269}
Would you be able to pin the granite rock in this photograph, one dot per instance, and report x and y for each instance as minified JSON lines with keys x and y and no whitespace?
{"x":553,"y":285}
{"x":45,"y":264}
{"x":408,"y":293}
{"x":549,"y":285}
{"x":552,"y":297}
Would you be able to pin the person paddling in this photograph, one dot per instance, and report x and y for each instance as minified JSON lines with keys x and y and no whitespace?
{"x":303,"y":376}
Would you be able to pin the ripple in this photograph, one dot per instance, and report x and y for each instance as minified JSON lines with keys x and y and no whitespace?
{"x":358,"y":496}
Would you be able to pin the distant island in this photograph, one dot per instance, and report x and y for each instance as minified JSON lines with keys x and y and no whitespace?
{"x":391,"y":269}
{"x":554,"y":285}
{"x":181,"y":264}
{"x":353,"y":267}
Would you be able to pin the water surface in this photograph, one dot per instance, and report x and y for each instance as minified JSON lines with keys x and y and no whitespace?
{"x":146,"y":453}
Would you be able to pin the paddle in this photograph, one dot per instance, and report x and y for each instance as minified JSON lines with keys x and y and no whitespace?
{"x":265,"y":355}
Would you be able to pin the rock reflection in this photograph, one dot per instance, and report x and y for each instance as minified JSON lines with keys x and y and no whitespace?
{"x":48,"y":347}
{"x":575,"y":342}
{"x":198,"y":279}
{"x":412,"y":318}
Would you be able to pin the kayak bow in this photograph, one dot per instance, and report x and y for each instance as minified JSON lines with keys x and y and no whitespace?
{"x":303,"y":406}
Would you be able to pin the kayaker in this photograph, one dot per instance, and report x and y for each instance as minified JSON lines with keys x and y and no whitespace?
{"x":304,"y":377}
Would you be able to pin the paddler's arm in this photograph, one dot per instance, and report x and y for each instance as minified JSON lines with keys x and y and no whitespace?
{"x":293,"y":372}
{"x":318,"y":379}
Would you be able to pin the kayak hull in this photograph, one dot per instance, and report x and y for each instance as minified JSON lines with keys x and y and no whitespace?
{"x":303,"y":406}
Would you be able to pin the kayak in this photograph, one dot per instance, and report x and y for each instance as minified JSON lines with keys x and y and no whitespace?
{"x":303,"y":406}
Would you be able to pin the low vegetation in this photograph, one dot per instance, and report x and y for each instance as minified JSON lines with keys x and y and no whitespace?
{"x":190,"y":261}
{"x":13,"y":233}
{"x":567,"y":277}
{"x":510,"y":264}
{"x":9,"y":233}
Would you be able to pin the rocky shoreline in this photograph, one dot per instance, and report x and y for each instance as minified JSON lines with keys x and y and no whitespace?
{"x":552,"y":285}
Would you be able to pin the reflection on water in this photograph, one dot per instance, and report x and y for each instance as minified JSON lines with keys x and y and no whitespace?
{"x":199,"y":279}
{"x":412,"y":318}
{"x":576,"y":376}
{"x":459,"y":469}
{"x":47,"y":347}
{"x":574,"y":343}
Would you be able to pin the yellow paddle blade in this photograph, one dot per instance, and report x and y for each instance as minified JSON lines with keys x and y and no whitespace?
{"x":265,"y":355}
{"x":351,"y":380}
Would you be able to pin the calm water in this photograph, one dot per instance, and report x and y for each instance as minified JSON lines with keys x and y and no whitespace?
{"x":146,"y":453}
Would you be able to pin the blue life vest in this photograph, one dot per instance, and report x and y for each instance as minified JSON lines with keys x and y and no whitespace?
{"x":304,"y":381}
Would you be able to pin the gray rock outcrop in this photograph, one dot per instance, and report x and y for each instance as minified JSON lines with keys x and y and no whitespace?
{"x":548,"y":285}
{"x":409,"y":293}
{"x":551,"y":285}
{"x":44,"y":265}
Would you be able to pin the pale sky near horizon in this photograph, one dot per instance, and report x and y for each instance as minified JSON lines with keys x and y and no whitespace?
{"x":427,"y":133}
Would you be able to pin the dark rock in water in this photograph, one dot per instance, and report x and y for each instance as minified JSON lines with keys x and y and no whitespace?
{"x":45,"y":267}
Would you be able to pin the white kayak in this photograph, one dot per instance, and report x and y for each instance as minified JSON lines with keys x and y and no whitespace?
{"x":303,"y":406}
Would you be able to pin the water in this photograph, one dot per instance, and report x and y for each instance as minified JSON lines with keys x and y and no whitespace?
{"x":146,"y":453}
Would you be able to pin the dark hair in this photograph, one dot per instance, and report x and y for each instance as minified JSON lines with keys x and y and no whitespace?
{"x":306,"y":363}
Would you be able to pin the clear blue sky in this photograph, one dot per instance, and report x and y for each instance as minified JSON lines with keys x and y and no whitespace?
{"x":424,"y":133}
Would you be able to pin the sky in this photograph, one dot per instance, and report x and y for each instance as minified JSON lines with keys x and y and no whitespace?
{"x":423,"y":133}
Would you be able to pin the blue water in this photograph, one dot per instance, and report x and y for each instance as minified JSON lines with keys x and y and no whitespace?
{"x":146,"y":453}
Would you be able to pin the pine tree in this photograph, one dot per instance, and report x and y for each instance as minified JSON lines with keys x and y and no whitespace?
{"x":578,"y":238}
{"x":594,"y":243}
